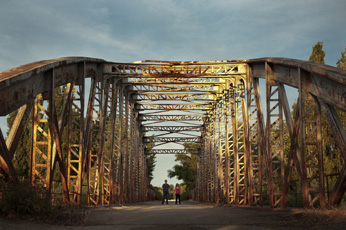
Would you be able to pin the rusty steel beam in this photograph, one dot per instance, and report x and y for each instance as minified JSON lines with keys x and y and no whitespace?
{"x":171,"y":117}
{"x":255,"y":167}
{"x":274,"y":137}
{"x":172,"y":129}
{"x":172,"y":139}
{"x":75,"y":142}
{"x":169,"y":151}
{"x":95,"y":142}
{"x":40,"y":172}
{"x":202,"y":107}
{"x":174,"y":70}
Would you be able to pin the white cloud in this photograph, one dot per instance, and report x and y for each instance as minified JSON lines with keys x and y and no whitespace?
{"x":175,"y":30}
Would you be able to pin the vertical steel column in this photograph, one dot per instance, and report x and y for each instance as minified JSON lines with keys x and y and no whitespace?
{"x":222,"y":150}
{"x":132,"y":141}
{"x":197,"y":188}
{"x":94,"y":153}
{"x":311,"y":145}
{"x":120,"y":146}
{"x":230,"y":146}
{"x":227,"y":130}
{"x":255,"y":159}
{"x":275,"y":145}
{"x":140,"y":166}
{"x":113,"y":142}
{"x":41,"y":146}
{"x":126,"y":152}
{"x":75,"y":142}
{"x":214,"y":155}
{"x":136,"y":156}
{"x":203,"y":167}
{"x":87,"y":133}
{"x":107,"y":141}
{"x":116,"y":136}
{"x":246,"y":124}
{"x":218,"y":152}
{"x":241,"y":148}
{"x":234,"y":190}
{"x":210,"y":161}
{"x":142,"y":170}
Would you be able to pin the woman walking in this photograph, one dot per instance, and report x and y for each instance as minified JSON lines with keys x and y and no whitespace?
{"x":177,"y":193}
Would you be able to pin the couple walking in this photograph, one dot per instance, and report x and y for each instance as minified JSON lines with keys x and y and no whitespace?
{"x":166,"y":191}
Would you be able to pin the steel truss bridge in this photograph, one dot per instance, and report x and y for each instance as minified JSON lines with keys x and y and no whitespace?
{"x":111,"y":110}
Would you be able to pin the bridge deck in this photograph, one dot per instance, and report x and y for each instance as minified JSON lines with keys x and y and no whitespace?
{"x":194,"y":215}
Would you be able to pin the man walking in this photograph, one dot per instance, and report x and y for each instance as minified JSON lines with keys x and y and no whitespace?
{"x":165,"y":189}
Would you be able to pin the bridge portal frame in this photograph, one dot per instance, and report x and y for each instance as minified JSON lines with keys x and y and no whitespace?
{"x":116,"y":169}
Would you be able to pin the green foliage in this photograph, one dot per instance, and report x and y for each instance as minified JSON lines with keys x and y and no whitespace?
{"x":171,"y":192}
{"x":24,"y":199}
{"x":158,"y":192}
{"x":187,"y":168}
{"x":317,"y":53}
{"x":341,"y":63}
{"x":184,"y":193}
{"x":21,"y":158}
{"x":151,"y":159}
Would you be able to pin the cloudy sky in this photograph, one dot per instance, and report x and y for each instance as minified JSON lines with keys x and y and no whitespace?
{"x":132,"y":30}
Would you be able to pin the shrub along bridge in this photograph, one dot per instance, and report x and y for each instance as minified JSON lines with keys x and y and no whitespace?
{"x":214,"y":103}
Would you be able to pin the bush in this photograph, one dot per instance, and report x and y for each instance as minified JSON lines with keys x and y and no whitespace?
{"x":185,"y":195}
{"x":24,"y":199}
{"x":158,"y":193}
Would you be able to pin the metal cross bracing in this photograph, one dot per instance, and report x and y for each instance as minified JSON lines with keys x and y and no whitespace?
{"x":112,"y":111}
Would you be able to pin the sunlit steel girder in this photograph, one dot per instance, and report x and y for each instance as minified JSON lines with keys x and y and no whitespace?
{"x":172,"y":139}
{"x":186,"y":70}
{"x":169,"y":151}
{"x":180,"y":97}
{"x":171,"y":117}
{"x":171,"y":128}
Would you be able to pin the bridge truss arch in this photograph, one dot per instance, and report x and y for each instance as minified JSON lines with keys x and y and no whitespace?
{"x":110,"y":110}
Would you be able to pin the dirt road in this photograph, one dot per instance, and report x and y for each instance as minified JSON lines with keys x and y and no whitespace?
{"x":196,"y":216}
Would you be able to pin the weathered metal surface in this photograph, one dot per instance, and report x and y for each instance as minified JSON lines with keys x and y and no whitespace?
{"x":274,"y":137}
{"x":170,"y":151}
{"x":214,"y":103}
{"x":20,"y":85}
{"x":41,"y":155}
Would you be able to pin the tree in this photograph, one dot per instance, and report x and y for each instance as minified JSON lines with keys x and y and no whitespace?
{"x":341,"y":63}
{"x":21,"y":158}
{"x":187,"y":168}
{"x":151,"y":159}
{"x":317,"y":53}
